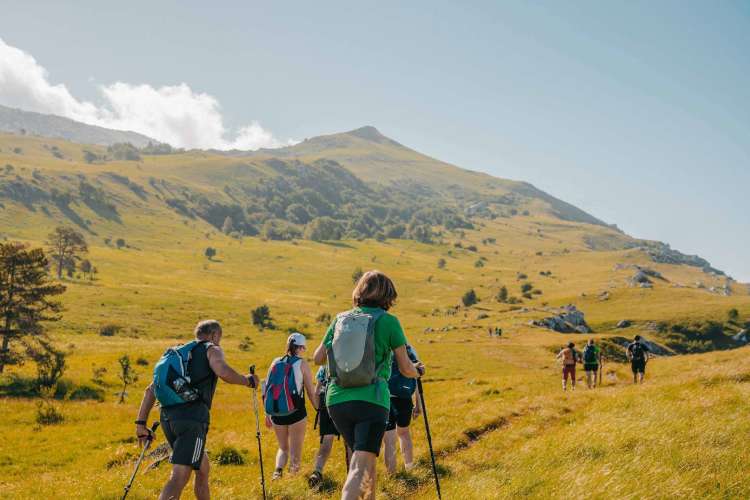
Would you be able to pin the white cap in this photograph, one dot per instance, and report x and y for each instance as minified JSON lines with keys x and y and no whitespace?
{"x":297,"y":338}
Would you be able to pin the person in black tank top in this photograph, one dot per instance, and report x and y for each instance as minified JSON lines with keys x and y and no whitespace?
{"x":186,"y":426}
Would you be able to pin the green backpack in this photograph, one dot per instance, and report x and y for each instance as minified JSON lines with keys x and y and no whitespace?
{"x":351,"y":356}
{"x":589,"y":355}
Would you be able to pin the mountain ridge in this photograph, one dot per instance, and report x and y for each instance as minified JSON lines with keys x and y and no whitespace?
{"x":18,"y":121}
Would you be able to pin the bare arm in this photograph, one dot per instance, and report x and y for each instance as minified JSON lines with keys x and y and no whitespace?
{"x":405,"y":366}
{"x":318,"y":392}
{"x":320,"y":355}
{"x":141,"y":431}
{"x":308,"y":383}
{"x":225,"y":372}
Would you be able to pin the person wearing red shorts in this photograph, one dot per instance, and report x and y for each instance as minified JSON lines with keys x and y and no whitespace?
{"x":569,"y":357}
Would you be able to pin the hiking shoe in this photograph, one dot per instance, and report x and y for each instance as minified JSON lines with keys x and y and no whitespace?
{"x":277,"y":474}
{"x":315,"y":479}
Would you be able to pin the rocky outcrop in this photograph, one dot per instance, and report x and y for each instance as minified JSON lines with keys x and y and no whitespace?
{"x":624,"y":323}
{"x":569,"y":320}
{"x":743,"y":337}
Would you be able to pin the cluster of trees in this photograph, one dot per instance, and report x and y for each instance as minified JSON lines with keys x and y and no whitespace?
{"x":66,"y":247}
{"x":124,"y":151}
{"x":322,"y":201}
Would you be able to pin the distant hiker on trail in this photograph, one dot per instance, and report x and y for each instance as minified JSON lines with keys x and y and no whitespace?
{"x":638,"y":355}
{"x":569,"y":357}
{"x":359,"y":347}
{"x":326,"y":428}
{"x":184,"y":383}
{"x":284,"y":402}
{"x":403,"y":390}
{"x":592,"y":358}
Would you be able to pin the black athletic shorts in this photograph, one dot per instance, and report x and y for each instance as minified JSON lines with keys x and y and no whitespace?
{"x":187,"y":438}
{"x":325,"y":424}
{"x":638,"y":366}
{"x":400,"y":414}
{"x":295,"y":417}
{"x":361,"y":423}
{"x":590,"y":367}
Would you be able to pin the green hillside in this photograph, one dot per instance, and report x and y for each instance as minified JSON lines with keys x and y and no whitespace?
{"x":501,"y":425}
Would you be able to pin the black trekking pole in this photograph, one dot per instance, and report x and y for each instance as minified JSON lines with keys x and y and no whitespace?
{"x":429,"y":436}
{"x":257,"y":432}
{"x":146,"y":446}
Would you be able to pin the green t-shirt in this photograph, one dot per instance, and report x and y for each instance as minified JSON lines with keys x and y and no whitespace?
{"x":388,"y":336}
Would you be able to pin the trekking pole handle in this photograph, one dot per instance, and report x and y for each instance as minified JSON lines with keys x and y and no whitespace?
{"x":152,"y":432}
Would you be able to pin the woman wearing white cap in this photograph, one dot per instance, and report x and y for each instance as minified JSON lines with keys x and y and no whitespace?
{"x":290,"y":429}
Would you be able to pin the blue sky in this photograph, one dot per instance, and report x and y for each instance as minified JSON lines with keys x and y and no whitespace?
{"x":638,"y":112}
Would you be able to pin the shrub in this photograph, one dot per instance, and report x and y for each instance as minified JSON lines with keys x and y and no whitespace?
{"x":733,"y":315}
{"x":469,"y":298}
{"x":261,"y":317}
{"x":120,"y":243}
{"x":502,"y":295}
{"x":141,"y":361}
{"x":357,"y":274}
{"x":527,"y":287}
{"x":229,"y":455}
{"x":210,"y":253}
{"x":86,"y":392}
{"x":472,"y":248}
{"x":109,"y":330}
{"x":521,"y":276}
{"x":441,"y":263}
{"x":48,"y":414}
{"x":479,"y":263}
{"x":324,"y":318}
{"x":245,"y":344}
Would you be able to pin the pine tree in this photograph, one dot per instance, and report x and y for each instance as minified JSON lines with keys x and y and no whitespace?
{"x":65,"y":244}
{"x":25,"y":294}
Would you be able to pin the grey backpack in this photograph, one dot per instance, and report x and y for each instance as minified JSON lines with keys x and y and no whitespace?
{"x":351,"y":357}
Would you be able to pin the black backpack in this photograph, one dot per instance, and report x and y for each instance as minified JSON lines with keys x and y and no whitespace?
{"x":637,"y":352}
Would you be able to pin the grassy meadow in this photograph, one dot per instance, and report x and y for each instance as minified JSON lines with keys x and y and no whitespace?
{"x":501,"y":425}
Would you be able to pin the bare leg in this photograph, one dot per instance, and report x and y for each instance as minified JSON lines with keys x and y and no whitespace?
{"x":296,"y":442}
{"x":282,"y":436}
{"x":360,"y":483}
{"x":389,"y":451}
{"x":407,"y":447}
{"x":177,"y":482}
{"x":324,"y":452}
{"x":201,"y":480}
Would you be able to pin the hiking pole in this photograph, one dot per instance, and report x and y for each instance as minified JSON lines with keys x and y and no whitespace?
{"x":601,"y":370}
{"x":257,"y":432}
{"x":146,"y":445}
{"x":429,"y":436}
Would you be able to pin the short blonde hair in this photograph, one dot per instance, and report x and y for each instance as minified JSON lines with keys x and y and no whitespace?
{"x":374,"y":289}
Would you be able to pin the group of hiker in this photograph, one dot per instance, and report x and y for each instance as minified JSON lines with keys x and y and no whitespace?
{"x":364,"y":391}
{"x":637,"y":352}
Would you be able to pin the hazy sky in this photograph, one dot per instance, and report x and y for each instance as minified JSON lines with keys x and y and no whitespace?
{"x":638,"y":112}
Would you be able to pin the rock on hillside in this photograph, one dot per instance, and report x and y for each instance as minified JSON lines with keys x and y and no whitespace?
{"x":569,"y":320}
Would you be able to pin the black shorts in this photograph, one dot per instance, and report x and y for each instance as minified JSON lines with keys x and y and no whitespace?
{"x":187,"y":438}
{"x":361,"y":423}
{"x":400,"y":414}
{"x":638,"y":366}
{"x":325,"y":424}
{"x":590,"y":367}
{"x":293,"y":418}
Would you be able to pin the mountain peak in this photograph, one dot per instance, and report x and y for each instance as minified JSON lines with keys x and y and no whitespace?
{"x":370,"y":133}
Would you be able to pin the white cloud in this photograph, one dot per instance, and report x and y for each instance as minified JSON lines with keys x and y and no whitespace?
{"x":174,"y":114}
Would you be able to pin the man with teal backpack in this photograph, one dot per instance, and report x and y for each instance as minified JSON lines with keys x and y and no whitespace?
{"x":184,"y":382}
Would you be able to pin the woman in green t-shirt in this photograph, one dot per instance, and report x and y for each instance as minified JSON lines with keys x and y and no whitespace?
{"x":361,"y":413}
